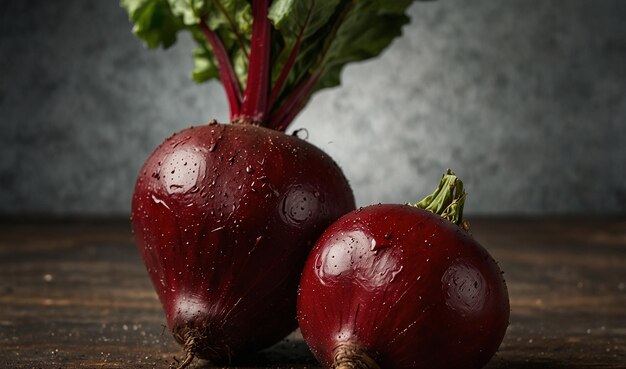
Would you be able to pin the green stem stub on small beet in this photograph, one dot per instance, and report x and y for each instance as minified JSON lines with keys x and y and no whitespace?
{"x":447,"y":200}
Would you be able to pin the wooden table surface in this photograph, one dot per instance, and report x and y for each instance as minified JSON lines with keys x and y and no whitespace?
{"x":76,"y":295}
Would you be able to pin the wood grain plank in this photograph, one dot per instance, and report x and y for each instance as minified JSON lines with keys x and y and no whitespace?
{"x":74,"y":294}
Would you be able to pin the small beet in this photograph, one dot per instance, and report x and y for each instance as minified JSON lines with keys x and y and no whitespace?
{"x":398,"y":286}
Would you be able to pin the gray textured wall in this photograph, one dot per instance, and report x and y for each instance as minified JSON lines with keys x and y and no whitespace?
{"x":526,"y":100}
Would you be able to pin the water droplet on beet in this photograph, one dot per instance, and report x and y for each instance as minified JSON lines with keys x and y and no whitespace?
{"x":298,"y":205}
{"x":301,"y":133}
{"x":459,"y":278}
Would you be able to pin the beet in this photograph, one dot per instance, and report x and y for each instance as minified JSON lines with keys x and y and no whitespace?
{"x":224,"y":217}
{"x":397,"y":286}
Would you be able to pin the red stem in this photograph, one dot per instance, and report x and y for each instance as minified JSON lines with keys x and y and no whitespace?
{"x":290,"y":61}
{"x":286,"y":121}
{"x":254,"y":106}
{"x":285,"y":72}
{"x":292,"y":105}
{"x":227,"y":74}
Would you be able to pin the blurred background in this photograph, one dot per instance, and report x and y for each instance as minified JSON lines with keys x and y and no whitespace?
{"x":525,"y":100}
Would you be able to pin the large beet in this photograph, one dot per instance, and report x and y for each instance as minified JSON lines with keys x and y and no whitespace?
{"x":224,"y":217}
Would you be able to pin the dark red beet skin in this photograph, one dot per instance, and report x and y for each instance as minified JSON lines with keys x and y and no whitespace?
{"x":399,"y":287}
{"x":224,"y":217}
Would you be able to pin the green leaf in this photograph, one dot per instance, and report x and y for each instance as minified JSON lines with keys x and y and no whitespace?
{"x":340,"y":32}
{"x":154,"y":21}
{"x":187,"y":10}
{"x":297,"y":21}
{"x":158,"y":21}
{"x":234,"y":16}
{"x":205,"y":67}
{"x":366,"y":29}
{"x":240,"y":65}
{"x":300,"y":17}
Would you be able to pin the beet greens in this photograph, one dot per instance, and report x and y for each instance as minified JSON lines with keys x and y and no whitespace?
{"x":271,"y":56}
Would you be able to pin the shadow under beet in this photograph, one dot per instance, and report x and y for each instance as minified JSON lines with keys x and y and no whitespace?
{"x":291,"y":352}
{"x":295,"y":354}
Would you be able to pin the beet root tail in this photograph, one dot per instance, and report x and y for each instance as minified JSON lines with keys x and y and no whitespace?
{"x":190,"y":348}
{"x":348,"y":356}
